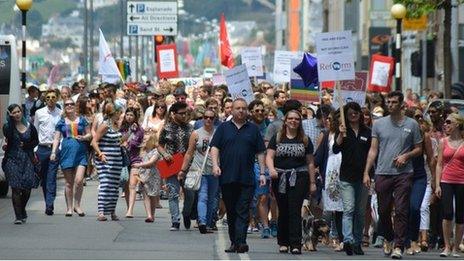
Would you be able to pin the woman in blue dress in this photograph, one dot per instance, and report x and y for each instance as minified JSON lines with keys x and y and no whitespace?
{"x":73,"y":131}
{"x":18,"y":163}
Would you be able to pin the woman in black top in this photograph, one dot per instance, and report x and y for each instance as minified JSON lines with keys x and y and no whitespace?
{"x":18,"y":163}
{"x":291,"y":166}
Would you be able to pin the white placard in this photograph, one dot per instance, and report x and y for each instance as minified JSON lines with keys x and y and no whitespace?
{"x":239,"y":84}
{"x":253,"y":59}
{"x":335,"y":56}
{"x":167,"y":60}
{"x":380,"y":73}
{"x":282,"y":65}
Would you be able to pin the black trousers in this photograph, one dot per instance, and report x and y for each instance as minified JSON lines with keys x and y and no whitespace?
{"x":290,"y":203}
{"x":19,"y":198}
{"x":237,"y":198}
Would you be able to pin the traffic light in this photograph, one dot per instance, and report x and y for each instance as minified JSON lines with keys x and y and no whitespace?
{"x":159,"y":40}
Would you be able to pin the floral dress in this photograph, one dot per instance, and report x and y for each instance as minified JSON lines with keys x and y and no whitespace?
{"x":331,"y":194}
{"x":149,"y":177}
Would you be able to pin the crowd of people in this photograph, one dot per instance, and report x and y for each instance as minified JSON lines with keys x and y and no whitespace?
{"x":390,"y":173}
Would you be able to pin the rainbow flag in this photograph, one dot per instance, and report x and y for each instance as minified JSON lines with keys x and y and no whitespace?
{"x":72,"y":130}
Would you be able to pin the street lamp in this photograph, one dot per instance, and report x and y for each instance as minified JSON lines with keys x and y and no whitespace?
{"x":24,"y":6}
{"x":398,"y":11}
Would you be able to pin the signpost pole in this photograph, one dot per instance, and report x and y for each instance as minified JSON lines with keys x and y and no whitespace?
{"x":340,"y":102}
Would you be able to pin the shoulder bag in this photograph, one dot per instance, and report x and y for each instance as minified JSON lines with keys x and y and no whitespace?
{"x":193,"y":178}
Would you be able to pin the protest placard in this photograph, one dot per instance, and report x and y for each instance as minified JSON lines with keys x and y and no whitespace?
{"x":282,"y":65}
{"x":239,"y":83}
{"x":352,"y":90}
{"x":253,"y":59}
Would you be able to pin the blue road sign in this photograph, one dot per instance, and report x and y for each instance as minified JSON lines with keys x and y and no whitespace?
{"x":140,"y":8}
{"x":133,"y":29}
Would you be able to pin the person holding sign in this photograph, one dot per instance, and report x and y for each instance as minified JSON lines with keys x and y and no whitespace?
{"x":353,"y":141}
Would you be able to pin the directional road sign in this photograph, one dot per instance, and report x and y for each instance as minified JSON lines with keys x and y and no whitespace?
{"x":151,"y":18}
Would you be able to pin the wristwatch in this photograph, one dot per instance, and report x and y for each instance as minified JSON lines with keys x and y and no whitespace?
{"x":262,"y":174}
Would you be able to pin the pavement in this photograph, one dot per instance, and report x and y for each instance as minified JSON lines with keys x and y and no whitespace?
{"x":60,"y":237}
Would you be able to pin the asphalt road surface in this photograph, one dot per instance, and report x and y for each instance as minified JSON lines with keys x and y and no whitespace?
{"x":60,"y":237}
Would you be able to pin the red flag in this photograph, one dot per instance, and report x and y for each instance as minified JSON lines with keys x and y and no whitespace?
{"x":227,"y":59}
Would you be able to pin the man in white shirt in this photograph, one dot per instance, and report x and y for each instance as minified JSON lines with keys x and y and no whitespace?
{"x":45,"y":121}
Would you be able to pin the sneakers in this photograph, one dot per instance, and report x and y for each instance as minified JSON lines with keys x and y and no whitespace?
{"x":250,"y":230}
{"x":175,"y":226}
{"x":387,"y":248}
{"x":379,"y":242}
{"x":266,"y":233}
{"x":348,"y":248}
{"x":357,"y":250}
{"x":255,"y":230}
{"x":202,"y":229}
{"x":397,"y":253}
{"x":273,"y":227}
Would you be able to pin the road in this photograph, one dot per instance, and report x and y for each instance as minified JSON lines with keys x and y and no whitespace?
{"x":60,"y":237}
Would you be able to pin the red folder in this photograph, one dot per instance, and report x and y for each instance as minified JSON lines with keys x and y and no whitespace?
{"x":167,"y":169}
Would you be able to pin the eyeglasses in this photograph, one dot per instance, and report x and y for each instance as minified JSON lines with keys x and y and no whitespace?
{"x":69,"y":104}
{"x":448,"y":122}
{"x":208,"y":117}
{"x":259,"y":111}
{"x":157,"y":107}
{"x":51,"y":97}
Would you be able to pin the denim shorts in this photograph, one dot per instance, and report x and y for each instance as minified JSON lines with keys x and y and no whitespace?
{"x":265,"y":190}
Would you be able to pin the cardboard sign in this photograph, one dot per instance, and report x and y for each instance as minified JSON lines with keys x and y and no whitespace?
{"x":253,"y":59}
{"x":381,"y":72}
{"x":218,"y":79}
{"x":167,"y":61}
{"x":352,"y":91}
{"x":239,"y":83}
{"x":190,"y":82}
{"x":335,"y":56}
{"x":282,"y":65}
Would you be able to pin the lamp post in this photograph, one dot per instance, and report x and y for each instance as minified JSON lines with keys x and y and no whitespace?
{"x":398,"y":11}
{"x":24,"y":6}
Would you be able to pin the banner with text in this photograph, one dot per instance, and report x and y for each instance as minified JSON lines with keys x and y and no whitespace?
{"x":335,"y":56}
{"x":239,"y":83}
{"x":253,"y":59}
{"x":282,"y":65}
{"x":352,"y":90}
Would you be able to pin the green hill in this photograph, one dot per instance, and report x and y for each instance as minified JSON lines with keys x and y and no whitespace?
{"x":45,"y":8}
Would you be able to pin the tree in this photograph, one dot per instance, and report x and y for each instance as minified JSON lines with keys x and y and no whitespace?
{"x":417,"y":8}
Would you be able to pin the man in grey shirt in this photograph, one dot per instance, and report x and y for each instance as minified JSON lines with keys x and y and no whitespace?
{"x":396,"y":139}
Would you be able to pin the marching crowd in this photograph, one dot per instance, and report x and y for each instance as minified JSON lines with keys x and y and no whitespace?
{"x":389,"y":172}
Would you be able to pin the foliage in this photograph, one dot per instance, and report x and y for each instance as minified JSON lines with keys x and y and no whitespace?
{"x":417,"y":8}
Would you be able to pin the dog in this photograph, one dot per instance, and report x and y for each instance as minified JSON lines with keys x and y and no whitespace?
{"x":313,"y":229}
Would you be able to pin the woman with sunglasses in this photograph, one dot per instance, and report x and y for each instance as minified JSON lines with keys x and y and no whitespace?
{"x":107,"y":146}
{"x":450,"y":182}
{"x":198,"y":145}
{"x":291,"y":167}
{"x":132,"y":138}
{"x":155,"y":121}
{"x":21,"y":138}
{"x":75,"y":131}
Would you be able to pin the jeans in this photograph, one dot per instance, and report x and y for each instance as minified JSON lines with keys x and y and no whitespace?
{"x":48,"y":173}
{"x":394,"y":189}
{"x":425,"y":208}
{"x":354,"y":196}
{"x":237,"y":198}
{"x":415,"y":202}
{"x":207,"y":199}
{"x":173,"y":198}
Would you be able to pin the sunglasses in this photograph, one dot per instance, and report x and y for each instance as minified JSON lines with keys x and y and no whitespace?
{"x":181,"y":113}
{"x":51,"y":97}
{"x":258,"y":111}
{"x":448,"y":122}
{"x":69,"y":104}
{"x":432,"y":112}
{"x":208,"y":117}
{"x":418,"y":117}
{"x":157,"y":107}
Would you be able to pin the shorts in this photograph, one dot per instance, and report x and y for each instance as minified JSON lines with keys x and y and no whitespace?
{"x":265,"y":190}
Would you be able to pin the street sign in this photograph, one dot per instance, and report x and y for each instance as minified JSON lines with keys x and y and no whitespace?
{"x":151,"y":18}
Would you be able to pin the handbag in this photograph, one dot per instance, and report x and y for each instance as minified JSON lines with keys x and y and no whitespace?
{"x":125,"y":157}
{"x":193,"y":178}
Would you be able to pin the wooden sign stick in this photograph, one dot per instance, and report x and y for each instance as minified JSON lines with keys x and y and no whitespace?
{"x":340,"y":102}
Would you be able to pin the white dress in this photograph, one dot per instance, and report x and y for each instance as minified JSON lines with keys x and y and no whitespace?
{"x":331,"y":195}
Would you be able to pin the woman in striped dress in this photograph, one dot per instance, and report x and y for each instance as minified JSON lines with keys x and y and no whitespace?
{"x":109,"y":161}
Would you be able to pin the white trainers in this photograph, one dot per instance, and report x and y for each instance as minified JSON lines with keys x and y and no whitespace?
{"x":397,"y":253}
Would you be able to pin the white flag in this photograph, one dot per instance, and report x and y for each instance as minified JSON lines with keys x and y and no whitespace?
{"x":108,"y":68}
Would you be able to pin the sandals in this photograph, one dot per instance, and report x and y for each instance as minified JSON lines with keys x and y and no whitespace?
{"x":101,"y":217}
{"x":114,"y":217}
{"x":283,"y":249}
{"x":149,"y":220}
{"x":365,"y":241}
{"x":80,"y":214}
